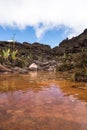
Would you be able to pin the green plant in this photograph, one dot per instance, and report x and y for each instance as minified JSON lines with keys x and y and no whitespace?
{"x":80,"y":75}
{"x":13,"y":55}
{"x":6,"y":53}
{"x":65,"y":57}
{"x":82,"y":51}
{"x":30,"y":57}
{"x":82,"y":59}
{"x":65,"y":67}
{"x":19,"y":62}
{"x":13,"y":40}
{"x":40,"y":57}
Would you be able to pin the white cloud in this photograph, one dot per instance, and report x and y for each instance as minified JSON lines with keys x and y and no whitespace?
{"x":44,"y":14}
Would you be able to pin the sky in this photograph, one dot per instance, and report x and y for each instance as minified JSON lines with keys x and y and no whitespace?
{"x":45,"y":21}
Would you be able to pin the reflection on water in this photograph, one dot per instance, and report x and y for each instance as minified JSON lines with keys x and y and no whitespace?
{"x":42,"y":101}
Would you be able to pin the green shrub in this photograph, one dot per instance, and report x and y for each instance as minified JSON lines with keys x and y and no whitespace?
{"x":6,"y":53}
{"x":22,"y":62}
{"x":80,"y":75}
{"x":65,"y":67}
{"x":13,"y":55}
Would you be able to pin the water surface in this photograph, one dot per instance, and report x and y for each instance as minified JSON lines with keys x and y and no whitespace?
{"x":42,"y":101}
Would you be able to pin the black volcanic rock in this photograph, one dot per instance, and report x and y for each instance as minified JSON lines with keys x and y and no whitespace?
{"x":72,"y":45}
{"x":41,"y":46}
{"x":69,"y":43}
{"x":26,"y":44}
{"x":58,"y":50}
{"x":85,"y":31}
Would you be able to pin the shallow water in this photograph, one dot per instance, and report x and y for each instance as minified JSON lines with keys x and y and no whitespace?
{"x":42,"y":101}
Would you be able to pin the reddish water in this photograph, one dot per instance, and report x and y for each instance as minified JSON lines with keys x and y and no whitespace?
{"x":41,"y":101}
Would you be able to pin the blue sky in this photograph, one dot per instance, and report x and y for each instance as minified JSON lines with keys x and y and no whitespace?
{"x":51,"y":37}
{"x":44,"y":21}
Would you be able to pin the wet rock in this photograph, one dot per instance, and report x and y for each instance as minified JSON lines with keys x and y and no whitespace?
{"x":4,"y":69}
{"x":43,"y":66}
{"x":53,"y":62}
{"x":52,"y":68}
{"x":19,"y":70}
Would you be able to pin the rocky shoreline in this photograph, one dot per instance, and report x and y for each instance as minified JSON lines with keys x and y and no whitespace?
{"x":70,"y":56}
{"x":35,"y":66}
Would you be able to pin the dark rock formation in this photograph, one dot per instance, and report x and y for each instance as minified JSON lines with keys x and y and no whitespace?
{"x":25,"y":49}
{"x":72,"y":45}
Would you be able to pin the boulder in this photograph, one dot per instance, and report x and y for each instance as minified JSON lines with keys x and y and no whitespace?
{"x":33,"y":67}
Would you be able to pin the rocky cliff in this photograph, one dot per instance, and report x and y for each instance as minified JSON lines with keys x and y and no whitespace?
{"x":72,"y":45}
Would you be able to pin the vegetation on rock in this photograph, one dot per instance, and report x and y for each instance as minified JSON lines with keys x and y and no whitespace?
{"x":69,"y":56}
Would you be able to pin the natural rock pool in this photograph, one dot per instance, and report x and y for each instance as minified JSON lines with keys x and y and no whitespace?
{"x":42,"y":101}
